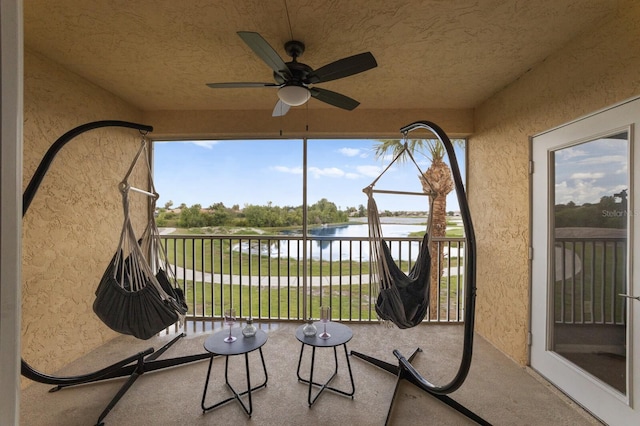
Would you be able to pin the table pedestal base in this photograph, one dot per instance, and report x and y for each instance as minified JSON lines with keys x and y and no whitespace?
{"x":237,"y":396}
{"x":324,"y":386}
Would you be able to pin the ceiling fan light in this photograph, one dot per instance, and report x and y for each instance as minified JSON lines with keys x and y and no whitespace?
{"x":294,"y":95}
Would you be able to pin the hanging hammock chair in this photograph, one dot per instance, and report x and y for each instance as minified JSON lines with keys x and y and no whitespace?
{"x":405,"y":302}
{"x":403,"y":298}
{"x":136,"y":295}
{"x":395,"y":297}
{"x":136,"y":260}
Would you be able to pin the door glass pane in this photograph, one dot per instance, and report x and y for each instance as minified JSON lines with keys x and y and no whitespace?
{"x":591,"y":186}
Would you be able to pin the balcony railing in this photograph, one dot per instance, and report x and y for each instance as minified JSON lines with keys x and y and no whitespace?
{"x":590,"y":275}
{"x":266,"y":278}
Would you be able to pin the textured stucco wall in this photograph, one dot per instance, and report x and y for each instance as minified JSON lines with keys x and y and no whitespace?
{"x":72,"y":227}
{"x":598,"y":69}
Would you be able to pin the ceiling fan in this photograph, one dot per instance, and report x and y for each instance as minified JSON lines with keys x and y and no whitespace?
{"x":293,"y":78}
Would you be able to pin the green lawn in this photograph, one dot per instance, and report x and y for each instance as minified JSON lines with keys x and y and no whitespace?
{"x":352,"y":302}
{"x":284,"y":302}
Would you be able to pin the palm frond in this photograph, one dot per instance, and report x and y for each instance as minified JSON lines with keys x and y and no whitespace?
{"x":430,"y":148}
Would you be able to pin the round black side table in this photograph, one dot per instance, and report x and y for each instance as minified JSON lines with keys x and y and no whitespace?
{"x":340,"y":335}
{"x":216,"y":345}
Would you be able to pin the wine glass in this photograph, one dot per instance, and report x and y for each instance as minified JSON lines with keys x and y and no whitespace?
{"x":325,"y":316}
{"x":229,"y":319}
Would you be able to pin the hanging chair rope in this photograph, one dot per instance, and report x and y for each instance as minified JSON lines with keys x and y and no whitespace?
{"x":140,"y":271}
{"x":137,"y":294}
{"x":158,"y":260}
{"x":402,"y":298}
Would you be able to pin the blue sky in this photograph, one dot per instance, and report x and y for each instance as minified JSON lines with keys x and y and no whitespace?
{"x":263,"y":171}
{"x":586,"y":172}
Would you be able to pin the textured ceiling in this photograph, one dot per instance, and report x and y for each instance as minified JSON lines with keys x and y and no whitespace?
{"x":158,"y":54}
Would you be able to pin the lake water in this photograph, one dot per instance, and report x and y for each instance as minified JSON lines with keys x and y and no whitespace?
{"x":326,"y":247}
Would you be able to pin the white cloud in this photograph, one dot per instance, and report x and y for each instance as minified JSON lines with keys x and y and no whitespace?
{"x":331,"y":172}
{"x":604,"y":159}
{"x":354,"y":152}
{"x":622,"y":171}
{"x":579,"y":192}
{"x":370,"y":171}
{"x":587,"y":175}
{"x":317,"y":172}
{"x":571,"y":152}
{"x":349,"y":152}
{"x":204,"y":144}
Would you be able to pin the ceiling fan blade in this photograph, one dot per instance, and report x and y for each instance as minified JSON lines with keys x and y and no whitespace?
{"x":239,"y":84}
{"x":333,"y":98}
{"x":343,"y":68}
{"x":280,"y":109}
{"x":261,"y":48}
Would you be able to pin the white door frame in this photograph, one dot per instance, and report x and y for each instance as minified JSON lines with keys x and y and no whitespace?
{"x":603,"y":401}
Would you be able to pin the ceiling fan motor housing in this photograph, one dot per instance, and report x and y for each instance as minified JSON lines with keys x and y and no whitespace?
{"x":298,"y":70}
{"x":294,"y":48}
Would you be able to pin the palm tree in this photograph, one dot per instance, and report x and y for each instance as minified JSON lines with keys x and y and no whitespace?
{"x":436,"y":179}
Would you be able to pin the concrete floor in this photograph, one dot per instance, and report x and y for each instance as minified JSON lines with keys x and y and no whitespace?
{"x":496,"y":388}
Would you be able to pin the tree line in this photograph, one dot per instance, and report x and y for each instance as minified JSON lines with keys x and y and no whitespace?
{"x":607,"y":213}
{"x":251,"y":215}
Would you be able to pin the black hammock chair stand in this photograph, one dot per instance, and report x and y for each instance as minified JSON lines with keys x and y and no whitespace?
{"x":404,"y":370}
{"x":135,"y":365}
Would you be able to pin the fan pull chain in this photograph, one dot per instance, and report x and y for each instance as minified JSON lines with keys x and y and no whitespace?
{"x":307,"y":113}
